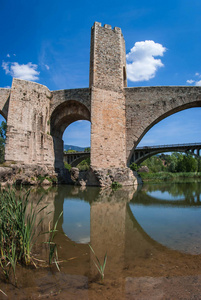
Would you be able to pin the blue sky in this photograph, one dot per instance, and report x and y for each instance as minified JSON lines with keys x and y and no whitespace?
{"x":49,"y":42}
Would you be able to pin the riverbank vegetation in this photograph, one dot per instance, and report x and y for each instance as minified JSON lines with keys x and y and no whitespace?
{"x":19,"y":231}
{"x":170,"y":167}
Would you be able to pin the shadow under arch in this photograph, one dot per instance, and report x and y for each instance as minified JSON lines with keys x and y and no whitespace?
{"x":62,"y":116}
{"x":155,"y":119}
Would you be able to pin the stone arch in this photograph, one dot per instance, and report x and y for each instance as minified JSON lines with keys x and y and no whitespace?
{"x":146,"y":107}
{"x":62,"y":116}
{"x":79,"y":160}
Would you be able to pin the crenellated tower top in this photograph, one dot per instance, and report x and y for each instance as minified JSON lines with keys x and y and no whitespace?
{"x":107,"y":58}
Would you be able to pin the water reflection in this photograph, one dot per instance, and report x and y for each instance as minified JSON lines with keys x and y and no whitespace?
{"x":76,"y":220}
{"x":149,"y":241}
{"x":170,"y":194}
{"x":170,"y":214}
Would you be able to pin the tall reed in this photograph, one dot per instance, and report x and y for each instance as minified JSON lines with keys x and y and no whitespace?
{"x":52,"y":246}
{"x":100,"y":267}
{"x":18,"y":229}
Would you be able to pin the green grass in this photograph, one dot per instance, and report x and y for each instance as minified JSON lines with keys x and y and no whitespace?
{"x":53,"y":253}
{"x":115,"y":185}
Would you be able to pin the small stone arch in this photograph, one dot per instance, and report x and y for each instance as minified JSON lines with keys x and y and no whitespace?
{"x":63,"y":115}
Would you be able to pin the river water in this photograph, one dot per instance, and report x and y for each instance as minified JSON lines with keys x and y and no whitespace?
{"x":151,"y":237}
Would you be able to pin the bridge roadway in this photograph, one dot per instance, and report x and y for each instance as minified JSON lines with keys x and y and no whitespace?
{"x":140,"y":153}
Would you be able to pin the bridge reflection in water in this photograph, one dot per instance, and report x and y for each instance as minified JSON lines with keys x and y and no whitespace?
{"x":118,"y":227}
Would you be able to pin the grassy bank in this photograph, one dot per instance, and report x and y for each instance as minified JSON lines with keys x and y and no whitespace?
{"x":168,"y":176}
{"x":20,"y":221}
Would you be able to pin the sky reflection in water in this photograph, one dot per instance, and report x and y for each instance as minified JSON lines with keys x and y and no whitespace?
{"x":76,"y":220}
{"x":165,"y":216}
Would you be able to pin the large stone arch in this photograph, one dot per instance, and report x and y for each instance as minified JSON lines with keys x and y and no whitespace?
{"x":63,"y":115}
{"x":146,"y":106}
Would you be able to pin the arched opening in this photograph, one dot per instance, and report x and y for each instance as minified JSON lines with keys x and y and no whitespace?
{"x":68,"y":126}
{"x":77,"y":141}
{"x":3,"y":128}
{"x":173,"y":128}
{"x":179,"y":128}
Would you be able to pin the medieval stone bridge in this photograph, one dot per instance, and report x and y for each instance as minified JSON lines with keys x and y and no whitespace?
{"x":120,"y":116}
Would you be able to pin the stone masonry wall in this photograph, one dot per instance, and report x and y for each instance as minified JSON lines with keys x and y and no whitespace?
{"x":108,"y":149}
{"x":28,"y":130}
{"x":107,"y":57}
{"x":107,"y":80}
{"x":80,"y":95}
{"x":146,"y":106}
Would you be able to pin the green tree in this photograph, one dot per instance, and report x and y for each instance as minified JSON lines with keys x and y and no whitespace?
{"x":84,"y":165}
{"x":88,"y":149}
{"x":187,"y":163}
{"x":71,"y":151}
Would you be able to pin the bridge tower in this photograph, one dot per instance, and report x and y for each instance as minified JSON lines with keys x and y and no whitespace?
{"x":107,"y":82}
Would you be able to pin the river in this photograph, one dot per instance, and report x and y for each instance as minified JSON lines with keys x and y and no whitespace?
{"x":151,"y":236}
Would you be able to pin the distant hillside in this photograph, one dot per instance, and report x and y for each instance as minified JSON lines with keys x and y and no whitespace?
{"x":71,"y":147}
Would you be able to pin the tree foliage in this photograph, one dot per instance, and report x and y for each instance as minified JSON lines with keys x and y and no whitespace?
{"x":88,"y":149}
{"x":176,"y":162}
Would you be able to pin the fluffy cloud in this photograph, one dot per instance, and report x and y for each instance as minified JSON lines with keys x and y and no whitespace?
{"x":198,"y":83}
{"x":26,"y":72}
{"x":190,"y":81}
{"x":141,"y":62}
{"x":5,"y":66}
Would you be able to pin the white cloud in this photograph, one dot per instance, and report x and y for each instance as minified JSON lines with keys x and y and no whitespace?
{"x":5,"y":66}
{"x":198,"y":83}
{"x":190,"y":81}
{"x":26,"y":72}
{"x":47,"y":67}
{"x":8,"y":55}
{"x":84,"y":240}
{"x":195,"y":82}
{"x":141,"y":64}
